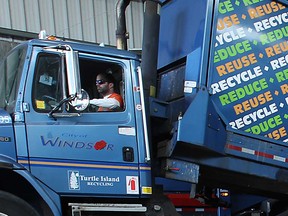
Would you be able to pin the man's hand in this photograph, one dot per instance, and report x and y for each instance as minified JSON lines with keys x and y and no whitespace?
{"x":80,"y":104}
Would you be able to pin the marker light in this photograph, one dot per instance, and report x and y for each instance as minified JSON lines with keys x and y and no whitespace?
{"x":224,"y":194}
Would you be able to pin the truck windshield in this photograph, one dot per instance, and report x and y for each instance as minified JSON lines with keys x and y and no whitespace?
{"x":10,"y":74}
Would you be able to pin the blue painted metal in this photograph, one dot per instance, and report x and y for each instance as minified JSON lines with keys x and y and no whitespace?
{"x":45,"y":193}
{"x":50,"y":197}
{"x":68,"y":148}
{"x":77,"y":137}
{"x":201,"y":126}
{"x":7,"y":141}
{"x":87,"y":48}
{"x":202,"y":132}
{"x":182,"y":171}
{"x":185,"y":34}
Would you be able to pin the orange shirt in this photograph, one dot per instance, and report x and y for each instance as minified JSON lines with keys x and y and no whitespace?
{"x":117,"y":97}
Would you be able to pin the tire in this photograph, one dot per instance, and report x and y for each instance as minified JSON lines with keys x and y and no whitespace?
{"x":12,"y":205}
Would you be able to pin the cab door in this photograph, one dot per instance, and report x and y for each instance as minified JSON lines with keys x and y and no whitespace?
{"x":84,"y":152}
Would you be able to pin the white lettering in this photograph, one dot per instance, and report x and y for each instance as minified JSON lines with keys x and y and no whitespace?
{"x":280,"y":62}
{"x":230,"y":36}
{"x":236,"y":79}
{"x":271,"y":22}
{"x":254,"y":116}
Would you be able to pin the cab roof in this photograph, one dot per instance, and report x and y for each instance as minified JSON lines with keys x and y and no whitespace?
{"x":87,"y":48}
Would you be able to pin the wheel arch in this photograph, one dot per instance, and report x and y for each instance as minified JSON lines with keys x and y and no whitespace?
{"x":20,"y":183}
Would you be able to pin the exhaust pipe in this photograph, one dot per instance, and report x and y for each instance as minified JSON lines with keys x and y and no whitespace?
{"x":121,"y":34}
{"x":150,"y":47}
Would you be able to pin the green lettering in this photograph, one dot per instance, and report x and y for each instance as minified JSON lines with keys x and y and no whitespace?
{"x":224,"y":99}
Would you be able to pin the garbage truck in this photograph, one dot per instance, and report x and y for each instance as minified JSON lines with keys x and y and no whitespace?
{"x":204,"y":112}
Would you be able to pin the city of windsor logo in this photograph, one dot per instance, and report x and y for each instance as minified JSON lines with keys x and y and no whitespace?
{"x":73,"y":180}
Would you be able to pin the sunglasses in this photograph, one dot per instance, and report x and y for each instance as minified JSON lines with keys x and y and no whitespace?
{"x":100,"y":82}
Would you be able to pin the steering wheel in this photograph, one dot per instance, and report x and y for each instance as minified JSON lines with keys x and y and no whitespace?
{"x":47,"y":97}
{"x":52,"y":102}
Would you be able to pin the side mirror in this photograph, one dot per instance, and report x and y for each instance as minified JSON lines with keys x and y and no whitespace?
{"x":77,"y":97}
{"x":73,"y":72}
{"x":81,"y":100}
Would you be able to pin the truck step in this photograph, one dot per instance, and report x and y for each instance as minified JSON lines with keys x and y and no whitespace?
{"x":77,"y":208}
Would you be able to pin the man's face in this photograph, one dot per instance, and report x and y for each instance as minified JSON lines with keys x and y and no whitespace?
{"x":102,"y":85}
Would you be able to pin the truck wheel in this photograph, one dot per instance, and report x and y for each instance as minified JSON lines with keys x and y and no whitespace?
{"x":12,"y":205}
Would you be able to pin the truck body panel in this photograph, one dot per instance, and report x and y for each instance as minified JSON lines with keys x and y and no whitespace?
{"x":8,"y":142}
{"x":204,"y":119}
{"x":261,"y":90}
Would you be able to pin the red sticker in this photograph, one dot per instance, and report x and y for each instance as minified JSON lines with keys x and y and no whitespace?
{"x":100,"y":145}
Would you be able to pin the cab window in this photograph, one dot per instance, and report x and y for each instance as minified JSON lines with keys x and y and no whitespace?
{"x":90,"y":70}
{"x":47,"y":85}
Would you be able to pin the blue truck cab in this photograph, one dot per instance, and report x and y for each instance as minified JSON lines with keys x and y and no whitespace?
{"x":63,"y":150}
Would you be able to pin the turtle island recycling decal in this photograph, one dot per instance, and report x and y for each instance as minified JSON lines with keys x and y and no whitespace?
{"x":75,"y":180}
{"x":249,"y":70}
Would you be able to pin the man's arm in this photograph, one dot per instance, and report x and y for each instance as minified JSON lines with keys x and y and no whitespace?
{"x":110,"y":103}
